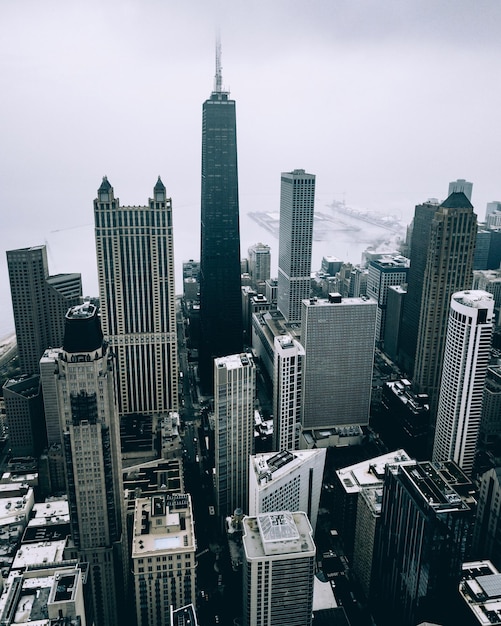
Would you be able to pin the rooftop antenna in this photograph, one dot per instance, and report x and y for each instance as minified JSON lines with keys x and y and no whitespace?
{"x":218,"y":78}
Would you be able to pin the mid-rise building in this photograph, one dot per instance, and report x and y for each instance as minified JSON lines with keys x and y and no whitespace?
{"x":286,"y":481}
{"x":480,"y":594}
{"x":135,"y":262}
{"x":259,"y":265}
{"x":487,"y":529}
{"x":385,"y":272}
{"x":163,"y":557}
{"x":234,"y":403}
{"x":492,"y":206}
{"x":338,"y":336}
{"x":220,"y":304}
{"x":405,"y":418}
{"x":88,"y":413}
{"x":287,"y":392}
{"x":278,"y":569}
{"x":490,"y":280}
{"x":47,"y":593}
{"x":297,"y":201}
{"x":490,"y":425}
{"x":349,"y":483}
{"x":466,"y":358}
{"x":394,"y":308}
{"x":39,"y":303}
{"x":426,"y":516}
{"x":493,"y":220}
{"x":24,"y":415}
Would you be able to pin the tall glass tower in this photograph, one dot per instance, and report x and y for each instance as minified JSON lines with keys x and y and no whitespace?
{"x":39,"y":303}
{"x":220,"y":300}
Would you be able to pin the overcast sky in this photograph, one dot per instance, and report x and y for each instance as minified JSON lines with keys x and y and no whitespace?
{"x":385,"y":101}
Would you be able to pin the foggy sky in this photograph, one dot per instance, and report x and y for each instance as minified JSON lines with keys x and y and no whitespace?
{"x":385,"y":101}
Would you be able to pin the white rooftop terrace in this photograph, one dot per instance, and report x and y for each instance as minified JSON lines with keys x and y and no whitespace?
{"x":279,"y":533}
{"x":369,"y":473}
{"x":39,"y":553}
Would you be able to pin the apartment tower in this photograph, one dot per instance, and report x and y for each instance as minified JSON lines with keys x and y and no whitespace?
{"x":234,"y":400}
{"x":39,"y":303}
{"x":220,"y":300}
{"x":88,"y":413}
{"x":297,"y":200}
{"x":135,"y":261}
{"x":466,"y":359}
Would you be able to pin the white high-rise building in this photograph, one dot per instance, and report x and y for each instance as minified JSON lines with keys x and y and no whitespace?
{"x":234,"y":403}
{"x":163,"y":557}
{"x":91,"y":434}
{"x":286,"y":481}
{"x":278,"y":570}
{"x":287,"y":392}
{"x":297,"y":200}
{"x":135,"y":263}
{"x":466,"y":359}
{"x":338,"y":335}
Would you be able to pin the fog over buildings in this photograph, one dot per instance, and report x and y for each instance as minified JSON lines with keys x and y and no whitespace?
{"x":385,"y":103}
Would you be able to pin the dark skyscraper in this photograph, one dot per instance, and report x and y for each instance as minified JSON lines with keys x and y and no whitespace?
{"x":426,"y":513}
{"x":220,"y":299}
{"x":442,"y":250}
{"x":39,"y":303}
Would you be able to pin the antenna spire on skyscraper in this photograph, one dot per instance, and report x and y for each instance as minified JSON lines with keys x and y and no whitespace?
{"x":218,"y":78}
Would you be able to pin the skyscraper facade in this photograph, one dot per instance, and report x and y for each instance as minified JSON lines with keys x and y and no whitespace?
{"x":135,"y":261}
{"x":234,"y":399}
{"x":487,"y":529}
{"x":278,"y":570}
{"x":287,"y":392}
{"x":39,"y":303}
{"x":420,"y":241}
{"x":442,"y":250}
{"x":466,"y":359}
{"x":88,"y":412}
{"x":220,"y":299}
{"x":426,"y":516}
{"x":297,"y":203}
{"x":25,"y":415}
{"x":338,"y":336}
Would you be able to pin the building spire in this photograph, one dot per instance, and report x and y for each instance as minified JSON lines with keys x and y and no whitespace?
{"x":218,"y":78}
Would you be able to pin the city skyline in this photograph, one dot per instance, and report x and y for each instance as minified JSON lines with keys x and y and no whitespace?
{"x":374,"y":152}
